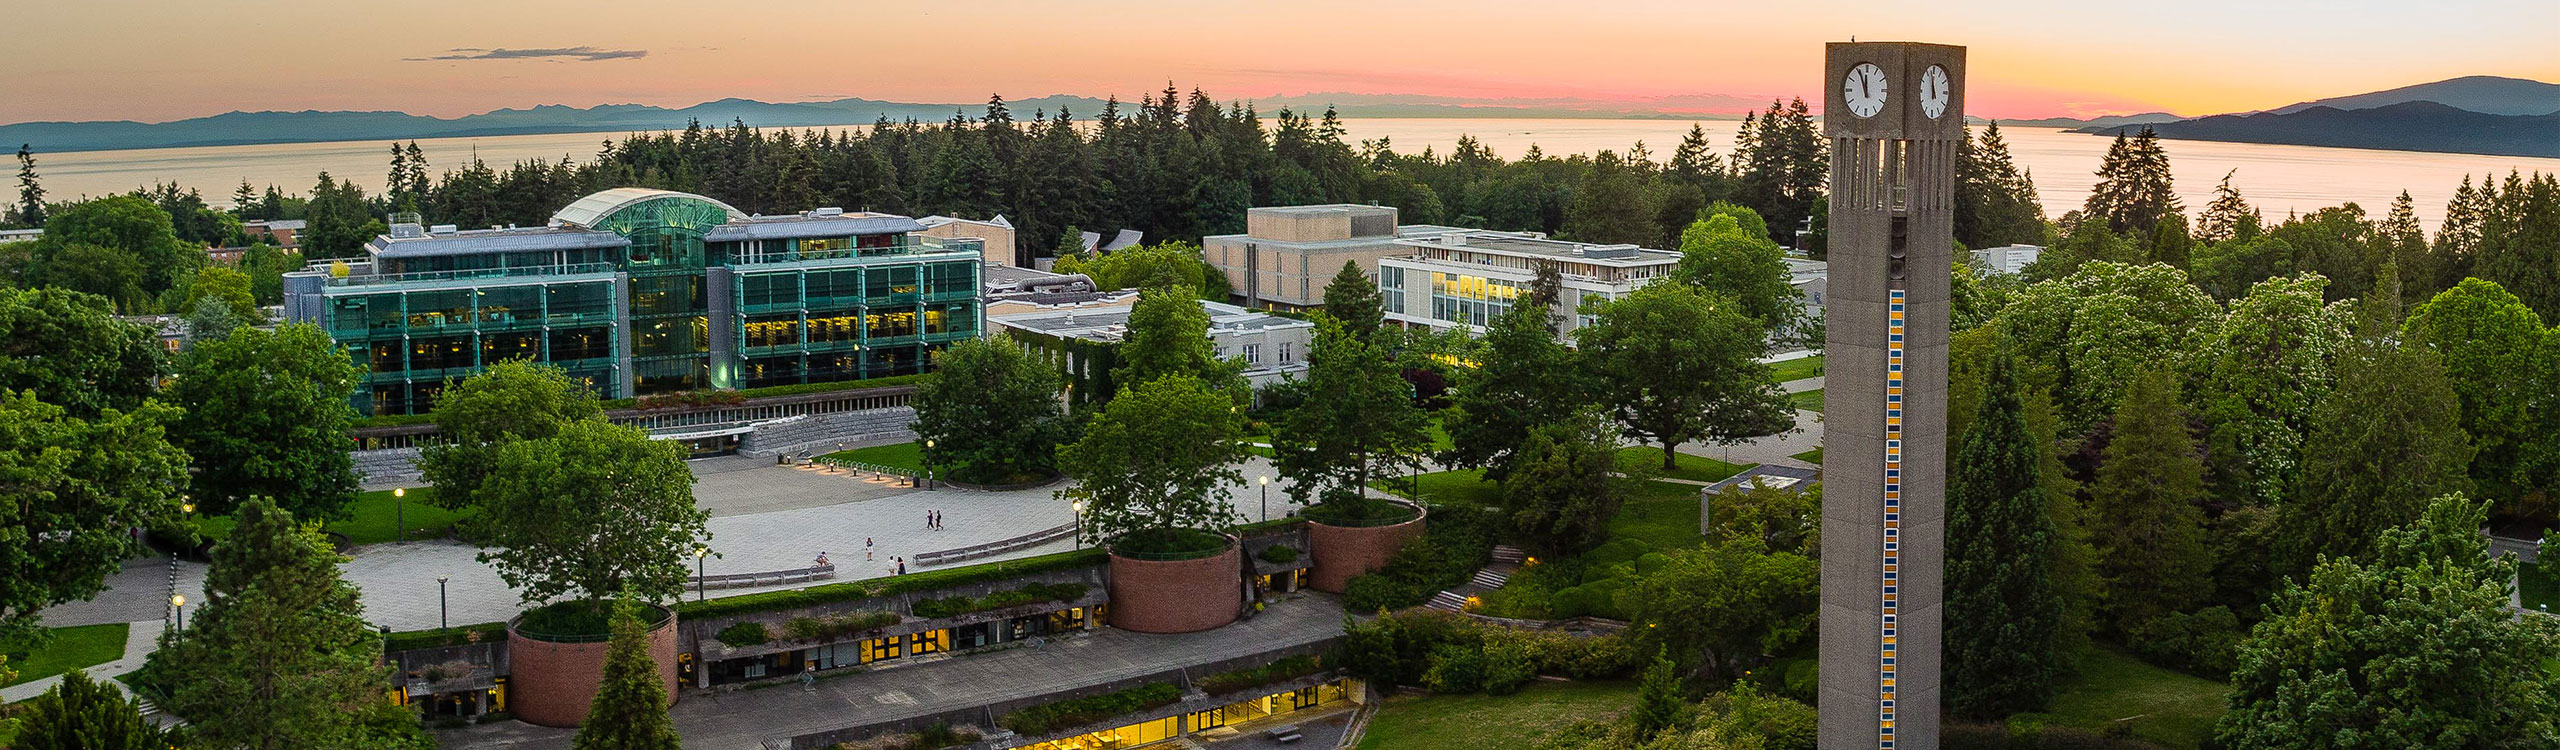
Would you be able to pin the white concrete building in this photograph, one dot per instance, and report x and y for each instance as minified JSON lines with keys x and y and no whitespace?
{"x":2007,"y":260}
{"x":1272,"y":347}
{"x":1288,"y":253}
{"x":1468,"y":278}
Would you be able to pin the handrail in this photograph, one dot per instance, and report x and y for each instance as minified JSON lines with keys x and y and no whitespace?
{"x":733,"y":580}
{"x":981,"y":550}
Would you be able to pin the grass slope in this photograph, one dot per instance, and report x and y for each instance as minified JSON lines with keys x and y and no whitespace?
{"x":2174,"y":709}
{"x":1485,"y":721}
{"x":1812,"y":456}
{"x":72,"y":648}
{"x":1796,"y":369}
{"x":908,"y":456}
{"x":1808,"y":400}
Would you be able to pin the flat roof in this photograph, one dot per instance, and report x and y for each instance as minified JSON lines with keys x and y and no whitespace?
{"x":1508,"y":243}
{"x":1111,"y":324}
{"x":799,"y":226}
{"x":527,"y":239}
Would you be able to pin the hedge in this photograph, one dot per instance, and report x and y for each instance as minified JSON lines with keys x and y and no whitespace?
{"x":852,"y":590}
{"x":1045,"y":718}
{"x":961,"y":605}
{"x":1285,"y":669}
{"x":418,"y":639}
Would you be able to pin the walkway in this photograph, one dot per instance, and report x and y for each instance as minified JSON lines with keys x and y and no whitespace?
{"x":749,"y":719}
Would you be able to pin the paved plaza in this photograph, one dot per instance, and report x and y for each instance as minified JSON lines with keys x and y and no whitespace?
{"x":752,"y":719}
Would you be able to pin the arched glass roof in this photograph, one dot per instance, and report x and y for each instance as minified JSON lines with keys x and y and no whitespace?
{"x":589,"y":212}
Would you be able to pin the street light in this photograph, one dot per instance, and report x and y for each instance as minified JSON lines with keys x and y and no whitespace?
{"x":399,"y":514}
{"x":179,"y":601}
{"x":1079,"y":506}
{"x":928,"y":464}
{"x":699,"y":553}
{"x":1265,"y":481}
{"x":444,"y":610}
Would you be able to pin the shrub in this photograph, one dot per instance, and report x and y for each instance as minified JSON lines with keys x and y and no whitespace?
{"x":1285,"y":669}
{"x":1455,"y":668}
{"x":1619,"y":550}
{"x":1049,"y":717}
{"x":1509,"y":661}
{"x":1458,"y":541}
{"x":744,"y":634}
{"x":1278,"y":554}
{"x":837,"y":626}
{"x":2205,"y":642}
{"x":418,"y":639}
{"x":960,"y":605}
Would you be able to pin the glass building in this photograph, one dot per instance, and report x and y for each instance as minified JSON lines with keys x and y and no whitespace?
{"x":641,"y":292}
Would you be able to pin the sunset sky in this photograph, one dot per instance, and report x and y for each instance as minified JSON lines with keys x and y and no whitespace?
{"x":156,"y":60}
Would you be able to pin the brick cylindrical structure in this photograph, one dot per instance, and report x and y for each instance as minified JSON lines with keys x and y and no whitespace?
{"x":552,"y":684}
{"x":1177,"y":596}
{"x":1344,"y":551}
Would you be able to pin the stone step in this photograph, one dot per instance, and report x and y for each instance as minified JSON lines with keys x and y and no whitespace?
{"x":1448,"y":600}
{"x":1508,"y":553}
{"x":1491,"y":579}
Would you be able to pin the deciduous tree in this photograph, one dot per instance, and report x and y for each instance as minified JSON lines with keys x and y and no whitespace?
{"x":1566,"y":487}
{"x":1154,"y":460}
{"x":267,"y":415}
{"x":1674,"y":366}
{"x":1357,"y":418}
{"x":72,"y":490}
{"x":596,"y":511}
{"x":992,"y":412}
{"x":504,"y":403}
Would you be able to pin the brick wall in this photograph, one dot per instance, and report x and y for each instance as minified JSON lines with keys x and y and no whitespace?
{"x":551,"y":684}
{"x":1177,"y":596}
{"x":1344,"y":551}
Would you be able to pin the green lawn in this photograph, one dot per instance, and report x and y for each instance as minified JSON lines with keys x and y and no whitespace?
{"x":908,"y":456}
{"x":1812,"y":456}
{"x":1797,"y":369}
{"x":1457,"y":487}
{"x":2171,"y":708}
{"x":72,"y":648}
{"x":1693,"y":468}
{"x":1808,"y":400}
{"x":375,"y":515}
{"x":1485,"y":721}
{"x":1664,"y":515}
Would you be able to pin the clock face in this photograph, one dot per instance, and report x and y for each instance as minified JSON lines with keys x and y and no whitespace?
{"x":1933,"y":92}
{"x":1863,"y":90}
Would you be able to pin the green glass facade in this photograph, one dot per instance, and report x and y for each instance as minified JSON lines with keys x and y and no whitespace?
{"x":656,"y":293}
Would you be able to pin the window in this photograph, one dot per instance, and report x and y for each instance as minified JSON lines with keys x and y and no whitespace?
{"x":1284,"y":352}
{"x":1253,"y":354}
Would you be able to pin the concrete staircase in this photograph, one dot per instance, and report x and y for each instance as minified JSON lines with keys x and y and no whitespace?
{"x":817,"y":434}
{"x":386,"y":466}
{"x":1506,"y":560}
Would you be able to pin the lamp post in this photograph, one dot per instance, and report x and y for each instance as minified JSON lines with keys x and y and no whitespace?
{"x":444,"y":610}
{"x":928,"y":463}
{"x":179,"y":601}
{"x":1079,"y":507}
{"x":1265,"y":481}
{"x":700,"y":553}
{"x":399,"y":515}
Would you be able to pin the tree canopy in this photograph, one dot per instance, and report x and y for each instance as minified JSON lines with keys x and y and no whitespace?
{"x":1357,"y":419}
{"x":267,"y":415}
{"x":71,"y":492}
{"x":596,"y":511}
{"x":992,"y":412}
{"x":1154,"y":461}
{"x":1674,"y":365}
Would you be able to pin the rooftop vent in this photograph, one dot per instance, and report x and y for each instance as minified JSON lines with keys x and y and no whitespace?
{"x":443,"y":229}
{"x":1608,"y":251}
{"x":407,"y":230}
{"x":828,"y":211}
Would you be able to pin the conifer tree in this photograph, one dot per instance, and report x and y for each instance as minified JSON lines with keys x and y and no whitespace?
{"x":2385,"y":442}
{"x":30,"y":189}
{"x":2229,"y":217}
{"x":1357,"y":421}
{"x":2134,"y":188}
{"x":1995,"y":202}
{"x":2003,"y":611}
{"x":630,"y":709}
{"x":1658,"y":704}
{"x":279,"y":655}
{"x":1353,"y":299}
{"x":82,"y":714}
{"x":2149,"y":524}
{"x":2403,"y":241}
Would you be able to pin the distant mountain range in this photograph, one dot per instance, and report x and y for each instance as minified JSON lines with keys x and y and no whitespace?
{"x":2145,"y":118}
{"x":2471,"y":115}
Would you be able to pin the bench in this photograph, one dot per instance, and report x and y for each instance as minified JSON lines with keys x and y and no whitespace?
{"x":1283,"y":734}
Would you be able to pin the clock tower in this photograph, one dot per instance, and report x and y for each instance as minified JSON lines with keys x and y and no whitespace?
{"x":1894,"y":115}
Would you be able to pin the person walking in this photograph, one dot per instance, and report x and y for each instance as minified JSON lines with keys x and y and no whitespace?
{"x":928,"y":519}
{"x":866,"y":549}
{"x":902,"y":566}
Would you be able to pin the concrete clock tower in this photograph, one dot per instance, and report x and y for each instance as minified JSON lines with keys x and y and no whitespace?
{"x":1894,"y":114}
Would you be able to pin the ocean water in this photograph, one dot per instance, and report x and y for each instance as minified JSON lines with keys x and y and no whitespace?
{"x":2276,"y":179}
